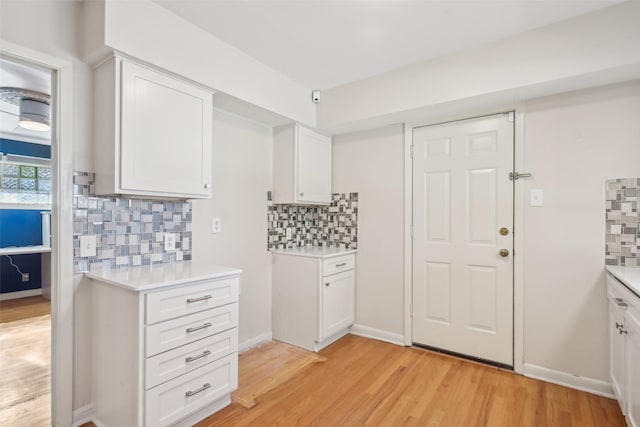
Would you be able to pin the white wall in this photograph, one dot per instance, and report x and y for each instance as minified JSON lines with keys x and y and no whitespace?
{"x":56,"y":35}
{"x":53,"y":31}
{"x":371,"y":163}
{"x":242,"y":153}
{"x":573,"y":143}
{"x":592,"y":49}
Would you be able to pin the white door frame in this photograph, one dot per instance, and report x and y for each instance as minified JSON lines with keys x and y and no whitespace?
{"x":518,"y":238}
{"x":61,"y":227}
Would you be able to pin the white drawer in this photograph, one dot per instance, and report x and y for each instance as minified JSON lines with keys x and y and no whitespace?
{"x":183,"y":300}
{"x":166,"y":366}
{"x":338,"y":264}
{"x":183,"y":330}
{"x":169,"y":402}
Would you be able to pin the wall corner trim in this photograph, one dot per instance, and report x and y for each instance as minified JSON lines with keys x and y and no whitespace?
{"x":377,"y":334}
{"x":255,"y":341}
{"x":590,"y":385}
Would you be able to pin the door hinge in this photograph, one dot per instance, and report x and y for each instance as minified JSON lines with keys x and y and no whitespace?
{"x":511,"y":116}
{"x":411,"y":151}
{"x":516,"y":175}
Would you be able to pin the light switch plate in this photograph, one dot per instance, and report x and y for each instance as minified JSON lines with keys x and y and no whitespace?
{"x":216,"y":225}
{"x":536,"y":197}
{"x":88,"y":246}
{"x":169,"y":242}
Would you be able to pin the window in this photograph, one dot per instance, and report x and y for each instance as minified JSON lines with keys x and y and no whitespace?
{"x":25,"y":180}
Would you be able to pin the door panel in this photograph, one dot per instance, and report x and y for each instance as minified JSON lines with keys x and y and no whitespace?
{"x":462,"y":196}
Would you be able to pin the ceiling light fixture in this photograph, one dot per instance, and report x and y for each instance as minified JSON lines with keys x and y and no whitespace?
{"x":33,"y":106}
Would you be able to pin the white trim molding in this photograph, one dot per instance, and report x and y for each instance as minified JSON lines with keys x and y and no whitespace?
{"x":20,"y":294}
{"x":62,"y":291}
{"x":82,"y":415}
{"x":590,"y":385}
{"x":377,"y":334}
{"x":255,"y":341}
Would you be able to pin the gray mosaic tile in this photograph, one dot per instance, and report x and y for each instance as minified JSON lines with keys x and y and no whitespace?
{"x":126,"y":228}
{"x":622,"y":241}
{"x":332,"y":226}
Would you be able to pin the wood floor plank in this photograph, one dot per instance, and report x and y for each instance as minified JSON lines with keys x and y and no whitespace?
{"x":367,"y":382}
{"x":24,"y":308}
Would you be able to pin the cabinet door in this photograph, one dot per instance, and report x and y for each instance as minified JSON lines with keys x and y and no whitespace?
{"x":165,"y":142}
{"x":616,"y":352}
{"x":632,"y":377}
{"x":314,"y":167}
{"x":338,"y":303}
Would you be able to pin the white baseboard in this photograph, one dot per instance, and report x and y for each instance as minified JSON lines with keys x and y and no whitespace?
{"x":590,"y":385}
{"x":20,"y":294}
{"x":82,"y":415}
{"x":255,"y":341}
{"x":377,"y":334}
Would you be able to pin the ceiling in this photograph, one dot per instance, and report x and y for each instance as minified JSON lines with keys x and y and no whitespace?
{"x":14,"y":74}
{"x":324,"y":44}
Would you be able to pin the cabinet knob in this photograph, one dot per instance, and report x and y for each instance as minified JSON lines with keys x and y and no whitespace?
{"x":301,"y":194}
{"x":207,"y":185}
{"x":618,"y":325}
{"x":327,"y":284}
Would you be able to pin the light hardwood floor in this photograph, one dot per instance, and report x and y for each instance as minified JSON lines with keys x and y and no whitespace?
{"x":368,"y":382}
{"x":25,"y":361}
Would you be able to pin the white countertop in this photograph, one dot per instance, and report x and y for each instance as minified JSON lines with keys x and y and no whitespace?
{"x":157,"y":276}
{"x":629,"y":276}
{"x":21,"y":250}
{"x":314,"y":251}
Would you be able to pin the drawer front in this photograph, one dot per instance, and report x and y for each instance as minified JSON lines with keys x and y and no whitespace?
{"x":183,"y":300}
{"x":175,"y":399}
{"x":338,"y":264}
{"x":174,"y":333}
{"x":173,"y":363}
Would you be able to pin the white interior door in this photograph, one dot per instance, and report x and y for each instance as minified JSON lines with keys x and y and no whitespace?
{"x":462,"y":198}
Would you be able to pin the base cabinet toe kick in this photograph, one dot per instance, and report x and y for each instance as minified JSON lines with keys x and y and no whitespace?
{"x":166,"y":356}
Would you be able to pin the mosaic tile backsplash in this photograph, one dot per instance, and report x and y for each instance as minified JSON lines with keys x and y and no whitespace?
{"x":130,"y":232}
{"x":623,"y":222}
{"x":335,"y":225}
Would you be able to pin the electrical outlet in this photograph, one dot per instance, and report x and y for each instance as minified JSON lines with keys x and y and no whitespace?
{"x":169,"y":242}
{"x":88,"y":246}
{"x":216,"y":225}
{"x":25,"y":277}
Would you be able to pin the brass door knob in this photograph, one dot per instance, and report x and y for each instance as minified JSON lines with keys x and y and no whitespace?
{"x":504,"y":253}
{"x":504,"y":231}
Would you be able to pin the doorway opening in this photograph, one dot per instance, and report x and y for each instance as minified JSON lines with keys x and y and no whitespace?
{"x":26,"y":192}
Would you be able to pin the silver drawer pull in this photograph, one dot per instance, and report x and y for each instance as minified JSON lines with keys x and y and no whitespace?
{"x":203,"y":298}
{"x":200,"y":356}
{"x":618,"y":300}
{"x":342,"y":264}
{"x":197,"y":328}
{"x":201,"y":389}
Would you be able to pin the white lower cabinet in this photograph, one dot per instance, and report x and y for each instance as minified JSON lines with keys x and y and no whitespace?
{"x":624,"y":348}
{"x":313,"y":299}
{"x":167,"y":356}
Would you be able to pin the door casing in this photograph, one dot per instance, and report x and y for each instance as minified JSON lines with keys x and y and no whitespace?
{"x":518,"y":224}
{"x":62,"y":291}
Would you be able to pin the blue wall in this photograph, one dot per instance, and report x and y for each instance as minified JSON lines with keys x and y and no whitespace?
{"x":9,"y":146}
{"x":21,"y":227}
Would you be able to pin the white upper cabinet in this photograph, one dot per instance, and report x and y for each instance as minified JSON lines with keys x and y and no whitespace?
{"x":152,"y":133}
{"x":301,"y":166}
